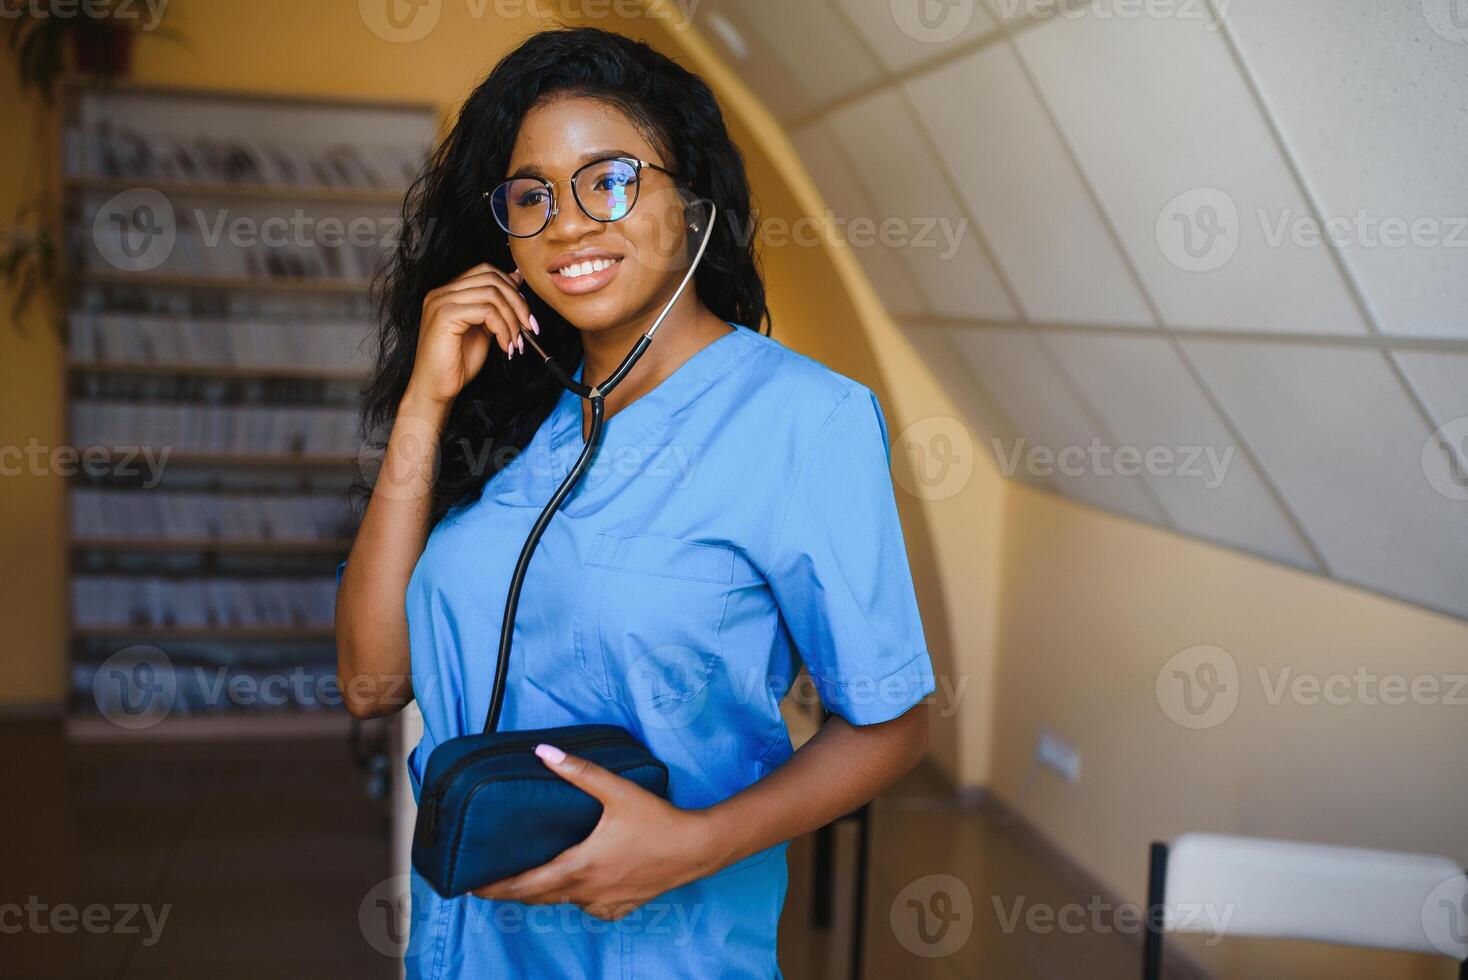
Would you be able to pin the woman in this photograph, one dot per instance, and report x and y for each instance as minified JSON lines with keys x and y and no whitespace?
{"x":738,"y":518}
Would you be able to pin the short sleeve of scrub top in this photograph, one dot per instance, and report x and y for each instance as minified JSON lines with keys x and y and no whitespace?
{"x":738,"y":519}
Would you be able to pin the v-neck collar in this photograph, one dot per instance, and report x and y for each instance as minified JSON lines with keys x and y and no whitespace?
{"x":650,"y":409}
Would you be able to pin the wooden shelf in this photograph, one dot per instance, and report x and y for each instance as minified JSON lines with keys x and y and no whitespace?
{"x":210,"y":632}
{"x":255,"y":192}
{"x":296,"y":284}
{"x":216,"y":545}
{"x":263,"y":460}
{"x":217,"y":726}
{"x":217,"y":370}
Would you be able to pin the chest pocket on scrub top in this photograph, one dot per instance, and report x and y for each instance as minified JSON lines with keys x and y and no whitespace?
{"x":647,"y":621}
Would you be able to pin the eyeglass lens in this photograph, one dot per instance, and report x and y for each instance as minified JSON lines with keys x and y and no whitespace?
{"x":605,"y":189}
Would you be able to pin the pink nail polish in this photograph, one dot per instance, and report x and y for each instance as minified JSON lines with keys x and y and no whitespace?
{"x":550,"y":754}
{"x":520,"y":342}
{"x":534,"y":326}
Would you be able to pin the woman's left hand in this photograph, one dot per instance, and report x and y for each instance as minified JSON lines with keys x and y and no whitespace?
{"x":642,"y":847}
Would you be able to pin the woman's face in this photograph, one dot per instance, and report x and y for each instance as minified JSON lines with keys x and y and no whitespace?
{"x":646,"y":248}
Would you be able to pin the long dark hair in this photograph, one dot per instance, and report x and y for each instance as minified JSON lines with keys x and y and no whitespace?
{"x":447,"y":227}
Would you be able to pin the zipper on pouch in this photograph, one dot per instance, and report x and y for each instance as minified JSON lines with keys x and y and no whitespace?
{"x":435,"y":799}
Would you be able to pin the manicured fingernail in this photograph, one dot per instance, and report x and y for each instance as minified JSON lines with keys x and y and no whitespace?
{"x":550,"y":754}
{"x":510,"y":354}
{"x":520,"y":342}
{"x":534,"y":326}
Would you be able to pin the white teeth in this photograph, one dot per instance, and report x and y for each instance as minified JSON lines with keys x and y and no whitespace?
{"x":578,"y":269}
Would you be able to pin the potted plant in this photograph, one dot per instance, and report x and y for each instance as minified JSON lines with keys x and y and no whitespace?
{"x":95,"y":40}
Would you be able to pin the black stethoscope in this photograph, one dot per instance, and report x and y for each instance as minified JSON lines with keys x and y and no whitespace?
{"x":596,"y":394}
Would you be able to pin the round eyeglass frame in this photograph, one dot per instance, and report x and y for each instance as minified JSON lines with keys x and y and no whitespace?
{"x":555,"y":207}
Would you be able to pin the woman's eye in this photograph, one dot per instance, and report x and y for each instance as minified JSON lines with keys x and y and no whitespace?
{"x":531,"y":199}
{"x":609,"y":182}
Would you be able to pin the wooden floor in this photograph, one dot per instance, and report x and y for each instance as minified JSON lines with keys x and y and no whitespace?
{"x":262,"y":853}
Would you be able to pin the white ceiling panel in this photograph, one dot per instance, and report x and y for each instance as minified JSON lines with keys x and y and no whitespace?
{"x":1442,"y":381}
{"x":817,"y":49}
{"x":1165,"y":127}
{"x":827,"y":163}
{"x":1147,"y":400}
{"x":916,"y":211}
{"x":1023,"y":189}
{"x":1055,"y":429}
{"x":905,"y":34}
{"x":1339,"y":435}
{"x":1404,"y":168}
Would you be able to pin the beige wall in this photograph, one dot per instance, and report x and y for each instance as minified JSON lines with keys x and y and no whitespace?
{"x":1094,"y":605}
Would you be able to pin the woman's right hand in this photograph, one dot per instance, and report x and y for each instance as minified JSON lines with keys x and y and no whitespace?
{"x":461,"y":320}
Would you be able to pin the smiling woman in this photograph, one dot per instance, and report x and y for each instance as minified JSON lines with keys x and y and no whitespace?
{"x":675,"y":603}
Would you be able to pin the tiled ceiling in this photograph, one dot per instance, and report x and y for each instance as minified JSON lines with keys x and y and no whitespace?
{"x":1230,"y":233}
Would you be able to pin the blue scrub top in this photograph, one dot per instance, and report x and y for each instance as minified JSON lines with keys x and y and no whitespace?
{"x":737,"y":519}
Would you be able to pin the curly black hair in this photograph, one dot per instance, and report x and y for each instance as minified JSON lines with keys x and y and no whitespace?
{"x":447,"y":227}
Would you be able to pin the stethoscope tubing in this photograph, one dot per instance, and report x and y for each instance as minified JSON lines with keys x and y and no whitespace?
{"x":596,"y":394}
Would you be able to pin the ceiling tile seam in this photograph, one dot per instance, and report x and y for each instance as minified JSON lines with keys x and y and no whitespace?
{"x":1148,"y":491}
{"x":1434,"y":421}
{"x":993,"y":404}
{"x":1353,"y":285}
{"x":1380,"y":342}
{"x":964,"y":212}
{"x":1237,"y":434}
{"x":1088,"y":186}
{"x":871,"y":201}
{"x":1000,"y":32}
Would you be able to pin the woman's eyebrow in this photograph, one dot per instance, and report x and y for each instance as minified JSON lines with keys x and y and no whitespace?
{"x":534,"y":169}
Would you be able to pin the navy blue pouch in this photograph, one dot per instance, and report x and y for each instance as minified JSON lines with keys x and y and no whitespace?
{"x":488,"y":807}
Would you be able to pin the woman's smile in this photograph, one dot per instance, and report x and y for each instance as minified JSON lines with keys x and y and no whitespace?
{"x":584,"y":271}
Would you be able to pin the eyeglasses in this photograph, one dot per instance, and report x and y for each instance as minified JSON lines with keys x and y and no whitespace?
{"x":605,"y":190}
